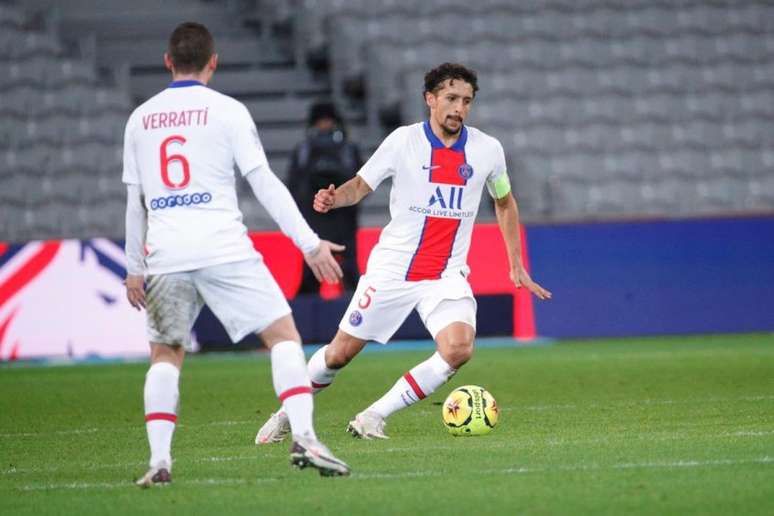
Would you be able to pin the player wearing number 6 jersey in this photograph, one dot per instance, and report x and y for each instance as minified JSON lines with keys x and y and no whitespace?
{"x":186,"y":244}
{"x":439,"y":169}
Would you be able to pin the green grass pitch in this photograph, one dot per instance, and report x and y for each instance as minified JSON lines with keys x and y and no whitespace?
{"x":641,"y":426}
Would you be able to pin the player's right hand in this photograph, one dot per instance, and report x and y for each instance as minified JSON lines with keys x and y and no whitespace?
{"x":323,"y":263}
{"x":521,"y":278}
{"x":135,"y":290}
{"x":324,"y":199}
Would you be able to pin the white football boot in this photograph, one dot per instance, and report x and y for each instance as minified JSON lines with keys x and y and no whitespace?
{"x":275,"y":429}
{"x":306,"y":452}
{"x":156,"y":476}
{"x":367,"y":425}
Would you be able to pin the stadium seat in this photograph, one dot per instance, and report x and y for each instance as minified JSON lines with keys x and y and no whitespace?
{"x":642,"y":107}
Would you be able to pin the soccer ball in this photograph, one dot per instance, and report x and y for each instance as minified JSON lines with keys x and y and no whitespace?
{"x":469,"y":410}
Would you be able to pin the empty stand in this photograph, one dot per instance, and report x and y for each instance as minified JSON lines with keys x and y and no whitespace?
{"x":593,"y":98}
{"x":605,"y":108}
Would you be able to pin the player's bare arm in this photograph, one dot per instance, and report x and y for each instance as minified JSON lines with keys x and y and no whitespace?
{"x":507,"y":212}
{"x":348,"y":194}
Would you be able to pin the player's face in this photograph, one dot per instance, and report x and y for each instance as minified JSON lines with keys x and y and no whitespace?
{"x":449,"y":106}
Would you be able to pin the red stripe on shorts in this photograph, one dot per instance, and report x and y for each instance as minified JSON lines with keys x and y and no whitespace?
{"x":414,"y":386}
{"x":161,"y":416}
{"x":294,"y":391}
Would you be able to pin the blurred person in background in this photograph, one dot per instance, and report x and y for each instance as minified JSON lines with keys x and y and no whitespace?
{"x":326,"y":157}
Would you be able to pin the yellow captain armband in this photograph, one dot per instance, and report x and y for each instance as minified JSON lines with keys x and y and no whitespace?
{"x":501,"y":186}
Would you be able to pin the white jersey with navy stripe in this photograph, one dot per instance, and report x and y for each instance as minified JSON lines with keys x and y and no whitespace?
{"x":434,"y":199}
{"x":181,"y":147}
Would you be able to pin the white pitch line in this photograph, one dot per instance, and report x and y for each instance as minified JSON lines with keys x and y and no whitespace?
{"x":78,"y":431}
{"x":128,"y":484}
{"x":125,"y":465}
{"x":516,"y":408}
{"x":629,"y":403}
{"x":568,"y":442}
{"x":410,"y":449}
{"x":620,"y":403}
{"x":679,"y":464}
{"x":749,"y":433}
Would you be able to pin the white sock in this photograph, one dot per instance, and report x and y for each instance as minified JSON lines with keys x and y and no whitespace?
{"x":418,"y":383}
{"x":161,"y":396}
{"x":319,"y":373}
{"x":291,"y":383}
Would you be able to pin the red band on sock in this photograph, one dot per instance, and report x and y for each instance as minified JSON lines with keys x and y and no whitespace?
{"x":161,"y":416}
{"x":414,"y":386}
{"x":319,"y":385}
{"x":294,"y":391}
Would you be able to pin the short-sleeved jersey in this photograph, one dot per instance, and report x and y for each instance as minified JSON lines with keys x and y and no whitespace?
{"x":181,"y":147}
{"x":434,"y":199}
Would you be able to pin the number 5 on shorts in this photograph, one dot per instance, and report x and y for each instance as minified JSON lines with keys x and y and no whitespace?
{"x":365,"y":300}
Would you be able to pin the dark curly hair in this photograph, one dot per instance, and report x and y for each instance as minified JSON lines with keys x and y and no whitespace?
{"x":435,"y":77}
{"x":190,"y":47}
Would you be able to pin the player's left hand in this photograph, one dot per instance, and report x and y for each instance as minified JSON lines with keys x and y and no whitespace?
{"x":521,"y":278}
{"x":135,"y":290}
{"x":323,"y":264}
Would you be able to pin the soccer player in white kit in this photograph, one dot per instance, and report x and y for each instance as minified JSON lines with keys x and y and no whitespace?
{"x":438,"y":168}
{"x":186,"y":245}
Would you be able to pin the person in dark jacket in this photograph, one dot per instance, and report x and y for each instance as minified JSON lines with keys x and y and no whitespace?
{"x":326,"y":157}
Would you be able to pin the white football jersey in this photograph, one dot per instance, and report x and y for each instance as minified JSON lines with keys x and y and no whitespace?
{"x":434,"y":199}
{"x":181,"y":147}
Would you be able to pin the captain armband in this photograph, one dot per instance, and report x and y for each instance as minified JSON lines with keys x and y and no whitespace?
{"x":501,"y":186}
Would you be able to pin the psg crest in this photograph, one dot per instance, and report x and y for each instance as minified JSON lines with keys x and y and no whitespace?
{"x":465,"y":171}
{"x":355,"y":318}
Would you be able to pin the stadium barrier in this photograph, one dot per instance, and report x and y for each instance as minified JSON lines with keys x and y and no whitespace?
{"x":66,"y":298}
{"x":667,"y":277}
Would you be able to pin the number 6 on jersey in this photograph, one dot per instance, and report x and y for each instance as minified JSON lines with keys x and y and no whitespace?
{"x":167,"y":159}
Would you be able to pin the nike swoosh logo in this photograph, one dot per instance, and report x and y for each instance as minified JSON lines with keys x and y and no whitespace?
{"x":431,"y":167}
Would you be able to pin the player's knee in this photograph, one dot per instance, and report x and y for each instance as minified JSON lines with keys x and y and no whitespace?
{"x":165,"y":353}
{"x":458,"y":352}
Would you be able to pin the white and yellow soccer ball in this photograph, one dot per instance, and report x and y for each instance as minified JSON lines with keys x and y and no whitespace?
{"x":470,"y":410}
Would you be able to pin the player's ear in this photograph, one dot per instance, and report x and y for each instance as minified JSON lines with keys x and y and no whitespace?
{"x":213,"y":63}
{"x":429,"y":99}
{"x":168,"y":62}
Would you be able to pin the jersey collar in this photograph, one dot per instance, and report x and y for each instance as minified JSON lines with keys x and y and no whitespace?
{"x":436,"y":143}
{"x":184,"y":84}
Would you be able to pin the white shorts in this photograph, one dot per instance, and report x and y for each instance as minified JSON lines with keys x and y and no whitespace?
{"x":379,"y":306}
{"x":242,"y":295}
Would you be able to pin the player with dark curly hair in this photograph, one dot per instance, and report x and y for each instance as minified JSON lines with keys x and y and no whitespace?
{"x":439,"y":168}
